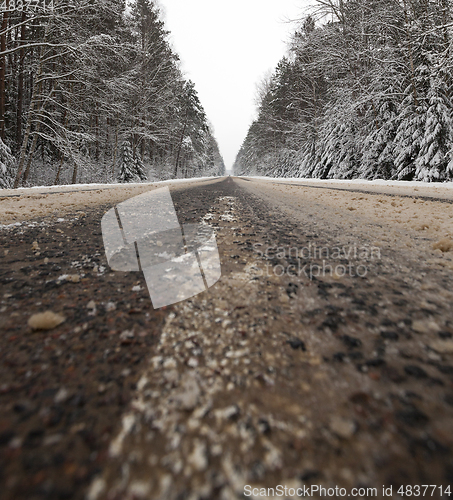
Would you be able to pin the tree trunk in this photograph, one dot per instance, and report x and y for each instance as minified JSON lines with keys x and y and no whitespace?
{"x":30,"y":153}
{"x":179,"y":150}
{"x":20,"y":85}
{"x":74,"y":173}
{"x":57,"y":177}
{"x":33,"y":102}
{"x":115,"y":150}
{"x":3,"y":73}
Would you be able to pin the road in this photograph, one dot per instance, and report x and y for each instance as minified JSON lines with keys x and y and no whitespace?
{"x":323,"y":355}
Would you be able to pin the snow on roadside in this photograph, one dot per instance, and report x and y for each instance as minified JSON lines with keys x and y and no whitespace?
{"x":24,"y":204}
{"x":92,"y":187}
{"x":441,"y":190}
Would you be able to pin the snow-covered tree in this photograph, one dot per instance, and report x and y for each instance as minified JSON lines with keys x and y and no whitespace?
{"x":89,"y":73}
{"x":7,"y":162}
{"x":436,"y":143}
{"x":365,"y":93}
{"x":130,"y":168}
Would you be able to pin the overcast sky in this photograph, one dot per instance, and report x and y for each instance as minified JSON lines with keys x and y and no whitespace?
{"x":226,"y":48}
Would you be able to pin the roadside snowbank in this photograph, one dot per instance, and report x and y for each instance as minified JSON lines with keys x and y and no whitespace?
{"x":17,"y":205}
{"x":438,"y":190}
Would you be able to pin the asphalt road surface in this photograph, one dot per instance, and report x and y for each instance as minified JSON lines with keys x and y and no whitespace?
{"x":323,"y":356}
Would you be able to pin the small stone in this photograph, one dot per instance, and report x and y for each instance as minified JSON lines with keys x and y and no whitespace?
{"x":35,"y":246}
{"x":442,"y":346}
{"x":237,"y":354}
{"x":425,"y":326}
{"x":197,"y":459}
{"x":45,"y":321}
{"x":228,"y":413}
{"x":188,"y":398}
{"x":444,"y":245}
{"x":297,"y":344}
{"x":73,"y":278}
{"x":136,"y":288}
{"x":343,"y":427}
{"x":139,"y":489}
{"x":171,"y":376}
{"x":91,"y":304}
{"x":169,"y":363}
{"x":110,"y":306}
{"x":96,"y":489}
{"x":52,"y":440}
{"x":193,"y":362}
{"x":61,"y":396}
{"x":127,"y":335}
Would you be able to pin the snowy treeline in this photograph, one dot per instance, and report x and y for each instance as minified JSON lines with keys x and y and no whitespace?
{"x":366,"y":91}
{"x":91,"y":91}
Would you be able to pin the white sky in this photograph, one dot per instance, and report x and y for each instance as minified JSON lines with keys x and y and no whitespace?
{"x":226,"y":48}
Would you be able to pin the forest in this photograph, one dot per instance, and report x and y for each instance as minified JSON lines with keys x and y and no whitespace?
{"x":92,"y":91}
{"x":364,"y":92}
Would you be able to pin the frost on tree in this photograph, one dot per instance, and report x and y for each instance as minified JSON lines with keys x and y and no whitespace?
{"x":131,"y":169}
{"x":436,"y":143}
{"x":79,"y":81}
{"x":354,"y":105}
{"x":7,"y":162}
{"x":408,"y":137}
{"x":378,"y":159}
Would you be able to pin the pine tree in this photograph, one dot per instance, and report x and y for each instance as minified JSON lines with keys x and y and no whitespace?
{"x":408,"y":137}
{"x":127,"y":171}
{"x":7,"y":162}
{"x":436,"y":143}
{"x":139,"y":169}
{"x":377,"y":158}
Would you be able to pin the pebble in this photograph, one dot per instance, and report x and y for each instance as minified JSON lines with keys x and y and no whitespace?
{"x":61,"y":396}
{"x":442,"y":346}
{"x":139,"y":489}
{"x":45,"y":321}
{"x":188,"y":398}
{"x":197,"y":459}
{"x":96,"y":489}
{"x":170,"y":363}
{"x":425,"y":326}
{"x":227,"y":413}
{"x":237,"y":354}
{"x":444,"y":245}
{"x":52,"y":440}
{"x":127,"y":335}
{"x":297,"y":344}
{"x":343,"y":427}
